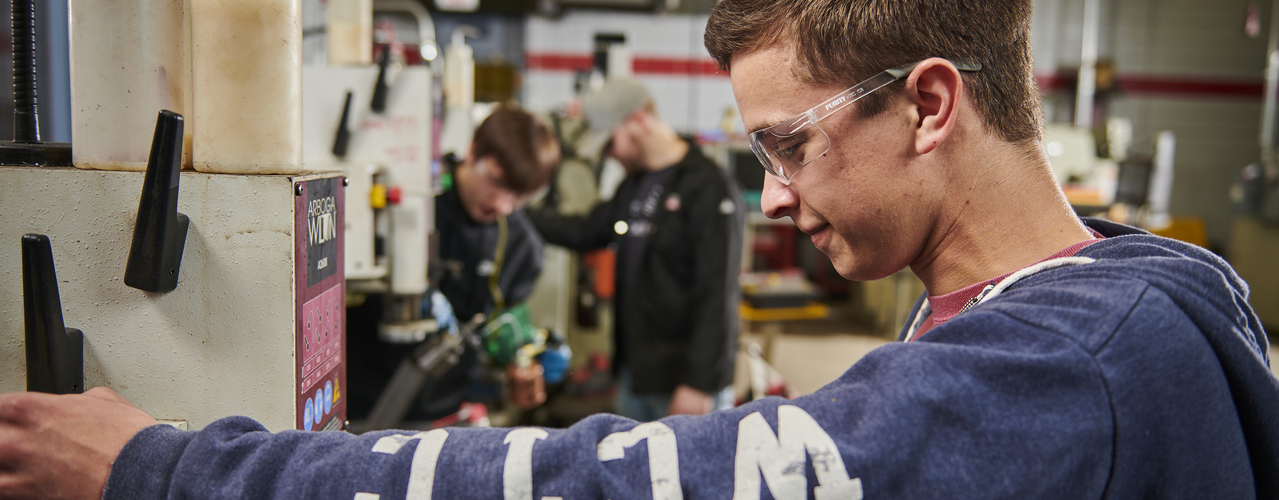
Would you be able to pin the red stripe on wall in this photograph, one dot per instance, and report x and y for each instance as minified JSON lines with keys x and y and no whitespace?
{"x":558,"y":62}
{"x":547,"y":61}
{"x":1132,"y":85}
{"x":1166,"y":86}
{"x":1054,"y":83}
{"x":1172,"y":85}
{"x":672,"y":66}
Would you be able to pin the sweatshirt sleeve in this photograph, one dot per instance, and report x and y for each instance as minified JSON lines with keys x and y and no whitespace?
{"x":718,"y":216}
{"x":909,"y":421}
{"x":576,"y":232}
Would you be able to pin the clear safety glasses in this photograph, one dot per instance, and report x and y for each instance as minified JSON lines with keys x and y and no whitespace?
{"x":785,"y":148}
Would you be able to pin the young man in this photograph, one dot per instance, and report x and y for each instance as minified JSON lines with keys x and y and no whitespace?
{"x":676,"y":222}
{"x":1131,"y":369}
{"x":511,"y":159}
{"x":1052,"y":356}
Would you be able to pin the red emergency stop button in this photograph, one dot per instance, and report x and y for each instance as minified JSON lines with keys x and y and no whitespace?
{"x":394,"y":195}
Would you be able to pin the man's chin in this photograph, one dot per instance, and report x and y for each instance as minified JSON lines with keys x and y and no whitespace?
{"x":483,"y":219}
{"x":852,"y":270}
{"x":847,"y":272}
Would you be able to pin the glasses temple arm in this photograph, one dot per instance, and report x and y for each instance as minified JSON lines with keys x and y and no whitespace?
{"x":851,"y":95}
{"x":820,"y":111}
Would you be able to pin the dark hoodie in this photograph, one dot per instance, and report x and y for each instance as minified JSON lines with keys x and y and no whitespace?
{"x":1137,"y":372}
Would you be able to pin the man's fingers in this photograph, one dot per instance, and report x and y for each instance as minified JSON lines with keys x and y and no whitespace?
{"x":15,"y":446}
{"x":17,"y":408}
{"x":15,"y":487}
{"x":61,"y":447}
{"x":30,"y":409}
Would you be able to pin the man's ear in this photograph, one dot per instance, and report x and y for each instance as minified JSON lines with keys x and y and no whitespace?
{"x":934,"y":89}
{"x":470,"y":154}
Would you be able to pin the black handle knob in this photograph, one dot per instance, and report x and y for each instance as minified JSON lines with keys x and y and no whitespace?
{"x":55,"y":354}
{"x":380,"y":88}
{"x":343,"y":137}
{"x":160,"y":232}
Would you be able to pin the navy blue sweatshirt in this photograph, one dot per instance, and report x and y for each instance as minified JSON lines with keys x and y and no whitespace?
{"x":1140,"y":373}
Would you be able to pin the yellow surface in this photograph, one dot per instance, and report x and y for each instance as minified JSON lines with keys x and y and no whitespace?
{"x":1080,"y":196}
{"x":1188,"y":229}
{"x":377,"y":196}
{"x":811,"y":311}
{"x":1253,"y":245}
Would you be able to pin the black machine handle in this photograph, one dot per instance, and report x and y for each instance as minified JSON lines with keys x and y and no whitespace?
{"x":380,"y":88}
{"x":343,"y":137}
{"x":160,"y":232}
{"x":55,"y":354}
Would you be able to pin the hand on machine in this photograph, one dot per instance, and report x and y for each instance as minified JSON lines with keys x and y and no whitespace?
{"x":62,"y":447}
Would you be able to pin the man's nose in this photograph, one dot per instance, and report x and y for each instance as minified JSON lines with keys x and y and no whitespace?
{"x":777,"y":199}
{"x":504,"y":203}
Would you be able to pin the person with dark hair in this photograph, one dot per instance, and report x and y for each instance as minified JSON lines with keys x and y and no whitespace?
{"x":676,"y":223}
{"x":489,"y":258}
{"x":1052,"y":357}
{"x":512,"y":157}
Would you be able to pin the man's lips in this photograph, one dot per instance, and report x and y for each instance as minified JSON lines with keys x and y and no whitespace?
{"x":812,"y":230}
{"x":817,"y":234}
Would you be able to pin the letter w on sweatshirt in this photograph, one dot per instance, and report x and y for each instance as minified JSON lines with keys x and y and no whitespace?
{"x":780,"y":459}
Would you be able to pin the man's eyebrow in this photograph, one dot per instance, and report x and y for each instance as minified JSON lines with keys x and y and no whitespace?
{"x":773,"y":122}
{"x":769,"y":124}
{"x":502,"y":179}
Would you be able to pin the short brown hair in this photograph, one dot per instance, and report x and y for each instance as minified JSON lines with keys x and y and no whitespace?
{"x":521,"y":144}
{"x":846,"y":41}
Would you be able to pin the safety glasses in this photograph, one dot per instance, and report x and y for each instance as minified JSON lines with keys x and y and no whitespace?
{"x":785,"y":148}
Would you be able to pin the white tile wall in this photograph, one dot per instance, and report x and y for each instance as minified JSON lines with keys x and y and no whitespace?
{"x":315,"y":48}
{"x":1174,"y":41}
{"x":1190,"y":37}
{"x":691,"y":103}
{"x":651,"y":34}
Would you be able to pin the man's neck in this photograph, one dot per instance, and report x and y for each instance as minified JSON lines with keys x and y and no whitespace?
{"x":1001,"y":212}
{"x":664,"y":151}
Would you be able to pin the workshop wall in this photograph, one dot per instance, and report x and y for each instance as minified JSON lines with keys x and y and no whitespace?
{"x":1181,"y":65}
{"x":667,"y":53}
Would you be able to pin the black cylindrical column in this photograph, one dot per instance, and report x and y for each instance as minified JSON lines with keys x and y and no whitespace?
{"x":26,"y":125}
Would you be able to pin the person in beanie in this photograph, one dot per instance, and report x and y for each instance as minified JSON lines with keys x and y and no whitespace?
{"x":676,"y":222}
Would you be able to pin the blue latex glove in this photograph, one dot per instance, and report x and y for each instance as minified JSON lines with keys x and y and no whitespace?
{"x":439,"y":308}
{"x":555,"y":363}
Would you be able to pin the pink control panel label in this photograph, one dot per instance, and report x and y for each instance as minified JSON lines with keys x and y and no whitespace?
{"x":320,"y":344}
{"x":321,"y":336}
